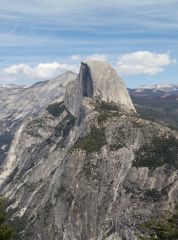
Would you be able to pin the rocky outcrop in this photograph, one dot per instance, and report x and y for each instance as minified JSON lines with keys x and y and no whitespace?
{"x":107,"y":85}
{"x":98,"y":80}
{"x":16,"y":103}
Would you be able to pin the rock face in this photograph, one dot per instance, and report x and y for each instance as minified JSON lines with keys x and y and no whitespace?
{"x":98,"y":80}
{"x":16,"y":103}
{"x":97,"y":175}
{"x":106,"y":84}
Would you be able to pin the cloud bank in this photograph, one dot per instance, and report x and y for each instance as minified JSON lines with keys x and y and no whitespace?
{"x":26,"y":74}
{"x":135,"y":63}
{"x":43,"y":71}
{"x":96,"y":56}
{"x":143,"y":62}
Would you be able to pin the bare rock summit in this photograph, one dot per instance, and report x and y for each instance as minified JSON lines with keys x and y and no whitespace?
{"x":98,"y":80}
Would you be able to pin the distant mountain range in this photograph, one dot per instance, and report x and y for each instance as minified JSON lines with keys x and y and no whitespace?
{"x":157,"y":102}
{"x":161,"y":87}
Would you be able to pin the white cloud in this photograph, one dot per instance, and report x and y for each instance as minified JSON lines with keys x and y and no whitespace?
{"x":100,"y":57}
{"x":76,"y":57}
{"x":96,"y":56}
{"x":143,"y":62}
{"x":42,"y":71}
{"x":19,"y":73}
{"x":135,"y":63}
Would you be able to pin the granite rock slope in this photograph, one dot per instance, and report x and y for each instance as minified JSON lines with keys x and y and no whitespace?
{"x":16,"y":103}
{"x":92,"y":172}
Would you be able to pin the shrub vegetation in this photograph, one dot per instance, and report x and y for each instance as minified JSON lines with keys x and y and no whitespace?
{"x":6,"y":231}
{"x":162,"y":150}
{"x":56,"y":109}
{"x":93,"y":142}
{"x":165,"y":228}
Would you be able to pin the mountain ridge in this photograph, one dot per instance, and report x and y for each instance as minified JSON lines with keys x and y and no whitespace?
{"x":157,"y":105}
{"x":161,"y":86}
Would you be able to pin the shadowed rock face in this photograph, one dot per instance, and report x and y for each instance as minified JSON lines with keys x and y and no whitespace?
{"x":86,"y":81}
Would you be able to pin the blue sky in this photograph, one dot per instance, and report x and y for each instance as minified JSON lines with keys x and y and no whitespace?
{"x":42,"y":39}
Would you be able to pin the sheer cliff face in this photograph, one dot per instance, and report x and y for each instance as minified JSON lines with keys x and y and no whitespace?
{"x":97,"y":175}
{"x":98,"y":80}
